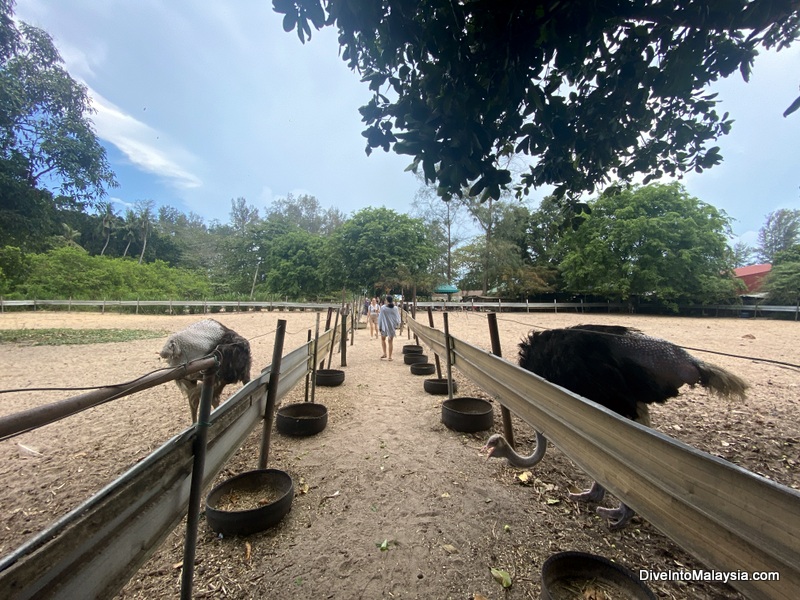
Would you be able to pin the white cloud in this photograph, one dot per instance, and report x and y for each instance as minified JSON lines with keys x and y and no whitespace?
{"x":142,"y":145}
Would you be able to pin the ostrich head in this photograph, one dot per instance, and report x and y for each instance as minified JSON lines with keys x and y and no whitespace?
{"x":496,"y":447}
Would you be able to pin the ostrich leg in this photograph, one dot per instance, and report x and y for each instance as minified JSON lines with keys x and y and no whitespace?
{"x":596,"y":493}
{"x":617,"y":517}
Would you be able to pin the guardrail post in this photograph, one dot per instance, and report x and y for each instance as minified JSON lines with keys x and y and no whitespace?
{"x":494,"y":336}
{"x":198,"y":467}
{"x":272,"y":392}
{"x":448,"y":349}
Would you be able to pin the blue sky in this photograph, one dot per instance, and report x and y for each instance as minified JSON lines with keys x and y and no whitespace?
{"x":201,"y":102}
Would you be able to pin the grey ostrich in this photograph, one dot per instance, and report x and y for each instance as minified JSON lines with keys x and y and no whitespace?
{"x":201,"y":339}
{"x":619,"y":368}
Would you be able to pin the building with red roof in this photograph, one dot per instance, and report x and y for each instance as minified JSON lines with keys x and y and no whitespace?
{"x":753,"y":276}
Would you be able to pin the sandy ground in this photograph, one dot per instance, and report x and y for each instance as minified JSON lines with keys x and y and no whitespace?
{"x":385,"y":469}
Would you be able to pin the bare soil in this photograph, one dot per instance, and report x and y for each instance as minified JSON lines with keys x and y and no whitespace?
{"x":389,"y":503}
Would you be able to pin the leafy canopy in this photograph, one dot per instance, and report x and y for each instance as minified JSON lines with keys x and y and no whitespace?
{"x":378,"y":248}
{"x":589,"y":92}
{"x":45,"y":129}
{"x":654,"y":241}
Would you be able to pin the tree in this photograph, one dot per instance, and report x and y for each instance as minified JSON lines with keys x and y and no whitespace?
{"x":242,"y":215}
{"x":109,"y":222}
{"x":44,"y":122}
{"x":378,"y":248}
{"x":741,"y":254}
{"x":446,"y":227}
{"x":295,"y":263}
{"x":782,"y":283}
{"x":130,"y":228}
{"x":145,"y":219}
{"x":650,"y":242}
{"x":781,"y":231}
{"x":305,"y":212}
{"x":590,"y":94}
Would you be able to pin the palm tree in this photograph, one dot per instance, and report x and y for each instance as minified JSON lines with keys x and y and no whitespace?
{"x":144,"y":214}
{"x":109,"y":223}
{"x":130,"y":227}
{"x":70,"y":235}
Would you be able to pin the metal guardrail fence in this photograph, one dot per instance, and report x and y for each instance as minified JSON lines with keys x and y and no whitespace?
{"x":96,"y":548}
{"x":731,"y":519}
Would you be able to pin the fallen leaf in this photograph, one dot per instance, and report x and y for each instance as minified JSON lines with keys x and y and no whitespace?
{"x":384,"y":545}
{"x":248,"y":551}
{"x":525,"y":477}
{"x":450,"y":549}
{"x":551,"y":501}
{"x":502,"y":577}
{"x":445,"y":495}
{"x":479,"y":597}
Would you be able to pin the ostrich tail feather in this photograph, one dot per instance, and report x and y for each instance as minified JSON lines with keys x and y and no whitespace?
{"x":722,"y":382}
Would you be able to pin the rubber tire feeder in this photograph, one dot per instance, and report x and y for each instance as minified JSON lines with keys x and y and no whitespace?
{"x":438,"y":386}
{"x":423,"y":369}
{"x":413,"y":359}
{"x":301,"y":419}
{"x":412,"y":349}
{"x":245,"y":522}
{"x":467,"y":415}
{"x":329,"y":377}
{"x":566,"y":567}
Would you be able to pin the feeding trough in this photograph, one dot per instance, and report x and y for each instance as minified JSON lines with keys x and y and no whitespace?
{"x":467,"y":414}
{"x":412,"y":349}
{"x":250,"y":502}
{"x":569,"y":575}
{"x":329,"y":377}
{"x":301,"y":418}
{"x":438,"y":386}
{"x":413,"y":359}
{"x":423,"y":369}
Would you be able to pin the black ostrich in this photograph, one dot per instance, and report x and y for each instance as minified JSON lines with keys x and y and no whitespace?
{"x":619,"y":368}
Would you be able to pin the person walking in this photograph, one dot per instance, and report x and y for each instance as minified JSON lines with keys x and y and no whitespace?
{"x":372,"y":316}
{"x":388,"y":322}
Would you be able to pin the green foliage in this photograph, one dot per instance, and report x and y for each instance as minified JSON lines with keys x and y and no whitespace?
{"x":782,"y":284}
{"x":44,"y":123}
{"x":653,"y":242}
{"x":70,"y":272}
{"x":378,"y":248}
{"x":295,"y":260}
{"x":587,"y":94}
{"x":781,"y":231}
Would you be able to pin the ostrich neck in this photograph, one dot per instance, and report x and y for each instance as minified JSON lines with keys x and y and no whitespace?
{"x":519,"y":461}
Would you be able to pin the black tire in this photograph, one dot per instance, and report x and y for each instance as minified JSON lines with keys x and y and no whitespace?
{"x":438,"y":386}
{"x":467,"y":415}
{"x":412,"y":349}
{"x":423,"y":369}
{"x":413,"y":359}
{"x":330,"y":377}
{"x":301,"y":419}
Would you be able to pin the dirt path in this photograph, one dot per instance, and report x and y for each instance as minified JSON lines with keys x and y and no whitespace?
{"x":385,"y":469}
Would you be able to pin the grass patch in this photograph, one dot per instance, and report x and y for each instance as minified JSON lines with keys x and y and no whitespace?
{"x":71,"y":337}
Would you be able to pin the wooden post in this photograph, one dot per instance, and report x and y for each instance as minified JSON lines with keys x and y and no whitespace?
{"x":314,"y":362}
{"x":196,"y":489}
{"x":435,"y":356}
{"x":448,"y":349}
{"x":343,"y":338}
{"x":272,"y":392}
{"x":494,"y":335}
